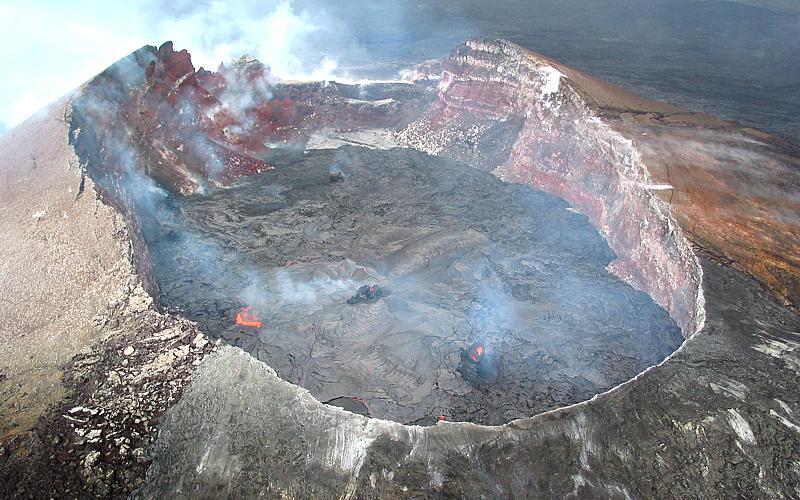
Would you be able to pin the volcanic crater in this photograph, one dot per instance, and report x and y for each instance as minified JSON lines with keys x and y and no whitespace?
{"x":494,"y":236}
{"x":497,"y":300}
{"x":462,"y":258}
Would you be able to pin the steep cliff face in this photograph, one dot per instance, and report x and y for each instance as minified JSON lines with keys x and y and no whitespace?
{"x":562,"y":147}
{"x":735,"y":193}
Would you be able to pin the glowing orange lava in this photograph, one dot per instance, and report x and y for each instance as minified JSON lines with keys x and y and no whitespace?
{"x":477,"y":354}
{"x":247,"y":318}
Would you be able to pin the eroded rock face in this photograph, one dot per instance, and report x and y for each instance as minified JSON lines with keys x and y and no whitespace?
{"x":733,"y":190}
{"x":188,"y":128}
{"x":54,"y":273}
{"x":94,"y":442}
{"x":87,"y":362}
{"x":563,"y":148}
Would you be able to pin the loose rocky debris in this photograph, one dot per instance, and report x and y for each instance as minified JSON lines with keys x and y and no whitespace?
{"x":93,"y":444}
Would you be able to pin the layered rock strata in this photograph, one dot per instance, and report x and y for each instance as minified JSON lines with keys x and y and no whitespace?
{"x":562,"y":147}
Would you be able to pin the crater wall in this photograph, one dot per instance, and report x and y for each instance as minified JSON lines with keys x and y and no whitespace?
{"x":564,"y":148}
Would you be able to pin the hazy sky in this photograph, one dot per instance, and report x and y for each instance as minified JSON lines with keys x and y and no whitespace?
{"x":726,"y":58}
{"x":51,"y":47}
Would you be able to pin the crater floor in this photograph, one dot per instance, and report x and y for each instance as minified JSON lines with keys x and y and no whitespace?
{"x":463,"y":257}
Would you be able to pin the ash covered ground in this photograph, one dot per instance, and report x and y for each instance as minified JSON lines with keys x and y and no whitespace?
{"x":463,"y":259}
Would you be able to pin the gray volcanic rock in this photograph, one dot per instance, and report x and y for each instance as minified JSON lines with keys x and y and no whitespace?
{"x":717,"y":419}
{"x":63,"y":253}
{"x":465,"y":257}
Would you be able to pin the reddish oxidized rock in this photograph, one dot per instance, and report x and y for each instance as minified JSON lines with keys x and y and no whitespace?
{"x":564,"y":149}
{"x":630,"y":165}
{"x":187,"y":128}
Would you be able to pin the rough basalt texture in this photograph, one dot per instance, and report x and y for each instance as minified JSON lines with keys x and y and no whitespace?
{"x":94,"y":442}
{"x":87,"y":362}
{"x":152,"y":113}
{"x":62,"y":252}
{"x":465,"y":258}
{"x":719,"y":419}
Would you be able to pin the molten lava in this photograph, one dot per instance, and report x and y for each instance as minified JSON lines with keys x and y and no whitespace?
{"x":476,"y":353}
{"x":479,"y":365}
{"x":245,"y":317}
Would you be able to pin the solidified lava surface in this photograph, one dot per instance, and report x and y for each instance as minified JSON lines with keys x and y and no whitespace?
{"x":462,"y":258}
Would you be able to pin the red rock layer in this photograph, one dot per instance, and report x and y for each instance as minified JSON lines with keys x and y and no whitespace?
{"x":187,"y":128}
{"x":151,"y":122}
{"x":736,"y":193}
{"x":564,"y":149}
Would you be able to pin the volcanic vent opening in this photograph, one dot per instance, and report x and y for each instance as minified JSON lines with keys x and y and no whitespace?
{"x":406,"y":287}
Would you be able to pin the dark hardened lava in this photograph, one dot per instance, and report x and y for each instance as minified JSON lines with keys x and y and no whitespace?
{"x":463,"y":257}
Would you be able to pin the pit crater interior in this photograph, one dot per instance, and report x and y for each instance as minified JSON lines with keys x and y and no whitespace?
{"x":463,"y":256}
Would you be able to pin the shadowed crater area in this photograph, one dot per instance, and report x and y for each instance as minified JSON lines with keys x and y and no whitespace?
{"x":406,"y":287}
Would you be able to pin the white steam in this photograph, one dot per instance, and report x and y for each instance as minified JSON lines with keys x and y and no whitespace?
{"x":60,"y":45}
{"x":274,"y":32}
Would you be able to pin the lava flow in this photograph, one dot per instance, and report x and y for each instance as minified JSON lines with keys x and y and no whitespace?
{"x":245,"y":317}
{"x":476,"y":353}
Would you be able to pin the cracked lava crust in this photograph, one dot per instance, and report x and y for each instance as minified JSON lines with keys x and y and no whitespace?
{"x":481,"y":301}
